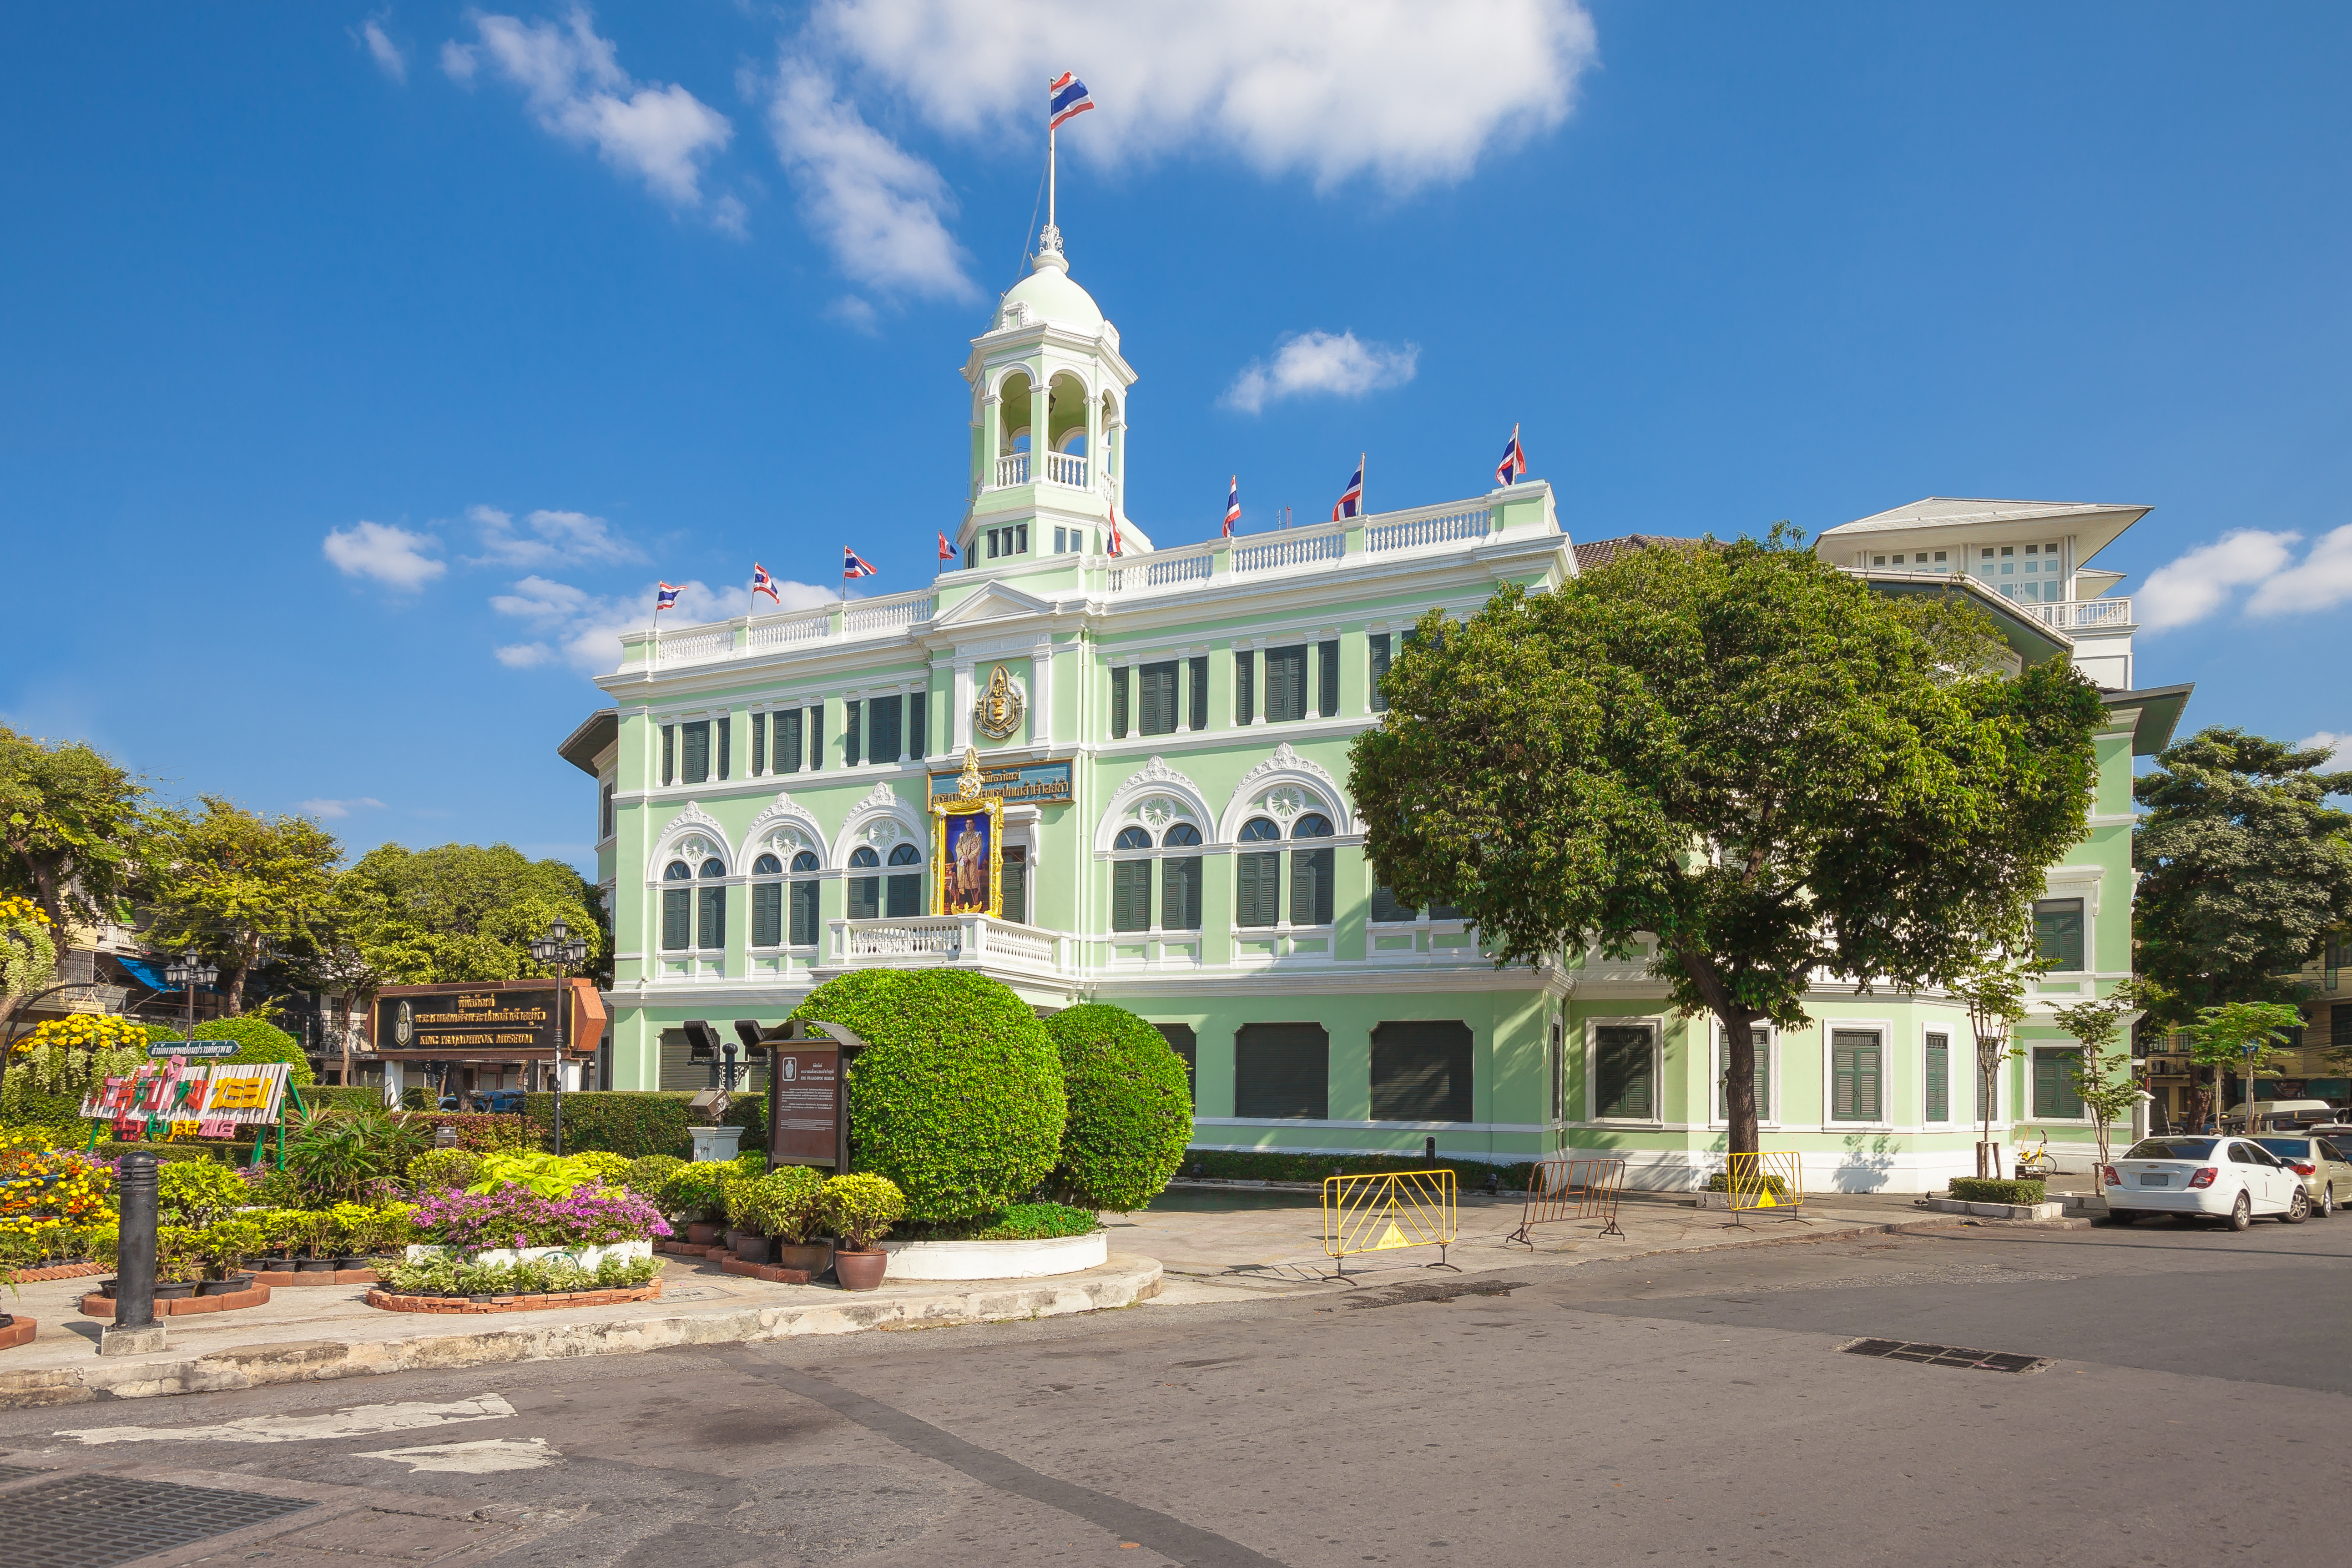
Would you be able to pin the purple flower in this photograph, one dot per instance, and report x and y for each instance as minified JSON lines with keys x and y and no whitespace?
{"x":514,"y":1215}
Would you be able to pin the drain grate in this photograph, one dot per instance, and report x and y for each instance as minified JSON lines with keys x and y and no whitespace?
{"x":1397,"y":1295}
{"x":95,"y":1522}
{"x":1945,"y":1355}
{"x":18,"y":1472}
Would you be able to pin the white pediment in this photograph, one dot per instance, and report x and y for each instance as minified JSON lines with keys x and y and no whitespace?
{"x":995,"y":602}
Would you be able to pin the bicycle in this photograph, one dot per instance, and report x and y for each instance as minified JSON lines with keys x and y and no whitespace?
{"x":2038,"y":1161}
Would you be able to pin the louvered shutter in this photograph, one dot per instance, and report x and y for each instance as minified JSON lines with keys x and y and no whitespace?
{"x":768,"y":914}
{"x":1327,"y":681}
{"x":1179,"y":893}
{"x":1119,"y":703}
{"x":678,"y":920}
{"x":804,"y":914}
{"x":1379,"y":643}
{"x":1199,"y":708}
{"x":712,"y":924}
{"x":1257,"y":881}
{"x":1130,"y":895}
{"x":1940,"y":1078}
{"x":1621,"y":1063}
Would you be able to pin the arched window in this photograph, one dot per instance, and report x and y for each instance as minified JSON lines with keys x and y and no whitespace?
{"x":710,"y":908}
{"x":1130,"y":881}
{"x":865,"y":892}
{"x":1257,"y":876}
{"x":678,"y":909}
{"x":767,"y":903}
{"x":1311,"y":872}
{"x":1179,"y":879}
{"x":803,"y":900}
{"x":905,"y":891}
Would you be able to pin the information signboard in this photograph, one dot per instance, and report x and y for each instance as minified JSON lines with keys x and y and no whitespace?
{"x":805,"y":1104}
{"x":500,"y":1022}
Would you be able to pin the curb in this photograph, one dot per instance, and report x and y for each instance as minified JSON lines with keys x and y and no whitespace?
{"x":1121,"y":1283}
{"x":96,"y":1306}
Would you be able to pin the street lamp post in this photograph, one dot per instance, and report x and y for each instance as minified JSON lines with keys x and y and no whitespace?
{"x":189,"y":972}
{"x":564,"y":952}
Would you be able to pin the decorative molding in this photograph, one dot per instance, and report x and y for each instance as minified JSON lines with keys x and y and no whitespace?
{"x":1156,"y":771}
{"x":684,"y":838}
{"x":881,"y":798}
{"x":785,"y":827}
{"x":1285,"y":784}
{"x":1156,"y":794}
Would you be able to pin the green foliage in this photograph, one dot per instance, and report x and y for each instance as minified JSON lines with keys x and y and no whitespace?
{"x":444,"y":1168}
{"x":240,"y":887}
{"x":698,"y":1191}
{"x":612,"y":1170}
{"x":636,"y":1122}
{"x":1987,"y":1190}
{"x":2104,"y":1079}
{"x":444,"y":1276}
{"x":958,"y":1098}
{"x":227,"y":1243}
{"x":275,"y":1189}
{"x":25,"y":1104}
{"x":461,"y":911}
{"x":1020,"y":1222}
{"x":337,"y":1155}
{"x":860,"y":1207}
{"x":2244,"y":870}
{"x":648,"y":1174}
{"x":196,"y":1192}
{"x":256,"y":1043}
{"x":781,"y":1204}
{"x":476,"y":1130}
{"x":546,"y":1175}
{"x":70,"y":828}
{"x":1739,"y":747}
{"x":1268,"y":1165}
{"x":1130,"y":1103}
{"x":29,"y":949}
{"x":179,"y":1253}
{"x":1721,"y":1182}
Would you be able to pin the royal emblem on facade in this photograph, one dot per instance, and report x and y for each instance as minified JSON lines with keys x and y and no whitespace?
{"x":997,"y":714}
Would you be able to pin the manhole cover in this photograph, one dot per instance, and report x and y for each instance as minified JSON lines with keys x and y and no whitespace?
{"x":1945,"y":1355}
{"x":1397,"y":1295}
{"x":94,"y":1522}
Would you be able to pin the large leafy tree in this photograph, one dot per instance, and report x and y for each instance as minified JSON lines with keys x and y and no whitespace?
{"x":461,"y":911}
{"x":239,"y":887}
{"x":2244,"y":870}
{"x":1739,"y":749}
{"x":69,"y":824}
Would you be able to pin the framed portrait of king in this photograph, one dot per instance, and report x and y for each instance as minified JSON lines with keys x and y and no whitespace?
{"x":968,"y":848}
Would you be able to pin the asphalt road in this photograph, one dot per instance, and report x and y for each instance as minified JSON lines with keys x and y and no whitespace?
{"x":1689,"y":1409}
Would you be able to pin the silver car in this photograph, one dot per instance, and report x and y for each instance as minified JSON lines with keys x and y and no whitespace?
{"x":2327,"y":1173}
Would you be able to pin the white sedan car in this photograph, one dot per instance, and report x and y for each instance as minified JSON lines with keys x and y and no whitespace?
{"x":2229,"y":1179}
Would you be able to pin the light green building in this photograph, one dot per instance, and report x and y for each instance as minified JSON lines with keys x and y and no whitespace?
{"x":1168,"y":729}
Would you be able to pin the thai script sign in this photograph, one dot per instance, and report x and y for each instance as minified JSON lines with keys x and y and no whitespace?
{"x":1012,"y":783}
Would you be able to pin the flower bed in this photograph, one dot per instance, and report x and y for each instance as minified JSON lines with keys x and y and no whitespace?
{"x":394,"y":1301}
{"x":515,"y":1216}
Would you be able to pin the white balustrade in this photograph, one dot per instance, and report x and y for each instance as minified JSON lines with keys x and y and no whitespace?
{"x":1066,"y":468}
{"x":887,"y":615}
{"x":790,"y":633}
{"x":1299,"y":547}
{"x":2084,"y":614}
{"x":694,"y":647}
{"x":946,"y":939}
{"x":1417,"y":529}
{"x":1012,"y":469}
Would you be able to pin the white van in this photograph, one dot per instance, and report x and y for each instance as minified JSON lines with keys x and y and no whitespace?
{"x":2280,"y":1112}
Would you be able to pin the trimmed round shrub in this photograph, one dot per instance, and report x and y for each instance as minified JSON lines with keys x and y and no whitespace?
{"x":1130,"y":1108}
{"x":455,"y":1169}
{"x":646,"y":1174}
{"x":257,"y":1042}
{"x":957,"y":1095}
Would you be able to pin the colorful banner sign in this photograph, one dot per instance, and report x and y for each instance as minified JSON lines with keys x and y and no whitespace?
{"x":1015,"y":783}
{"x":224,"y":1095}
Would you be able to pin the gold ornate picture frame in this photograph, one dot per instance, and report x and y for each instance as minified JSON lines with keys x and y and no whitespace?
{"x":968,"y":847}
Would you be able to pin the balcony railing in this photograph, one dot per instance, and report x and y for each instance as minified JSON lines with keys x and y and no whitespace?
{"x":1061,"y":468}
{"x":2084,"y":614}
{"x":747,"y":636}
{"x":948,"y":940}
{"x":1295,"y":548}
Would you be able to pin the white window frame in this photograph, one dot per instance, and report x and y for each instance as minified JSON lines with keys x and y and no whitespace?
{"x":1886,"y":1121}
{"x":1656,"y":1026}
{"x":1959,"y":1074}
{"x":2032,"y":1118}
{"x":1718,"y":1060}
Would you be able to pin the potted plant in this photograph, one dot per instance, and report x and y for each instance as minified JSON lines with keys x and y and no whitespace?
{"x":179,"y":1262}
{"x":226,"y":1244}
{"x":783,"y":1207}
{"x":747,"y":1239}
{"x":697,"y":1194}
{"x":282,"y":1233}
{"x":859,"y":1209}
{"x":317,"y":1236}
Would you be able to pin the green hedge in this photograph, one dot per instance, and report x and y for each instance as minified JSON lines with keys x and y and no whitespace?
{"x":1130,"y":1108}
{"x":257,"y":1042}
{"x":636,"y":1122}
{"x":1981,"y":1190}
{"x":1021,"y":1222}
{"x":22,"y":1105}
{"x":958,"y":1096}
{"x":1258,"y":1165}
{"x":334,"y":1097}
{"x":476,"y":1129}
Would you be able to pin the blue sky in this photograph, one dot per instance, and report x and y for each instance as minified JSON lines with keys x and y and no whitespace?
{"x":342,"y":349}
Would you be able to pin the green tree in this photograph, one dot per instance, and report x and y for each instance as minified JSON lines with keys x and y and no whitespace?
{"x":2241,"y":1036}
{"x":461,"y":911}
{"x":2244,"y":870}
{"x":2104,"y":1079}
{"x":1990,"y":985}
{"x":69,"y":826}
{"x":241,"y":887}
{"x":1742,"y":750}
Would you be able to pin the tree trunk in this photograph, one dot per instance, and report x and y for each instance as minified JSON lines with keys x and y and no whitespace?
{"x":232,"y":995}
{"x":1739,"y":1073}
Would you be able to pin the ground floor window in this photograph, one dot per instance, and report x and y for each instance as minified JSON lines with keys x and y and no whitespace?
{"x":1939,"y":1078}
{"x":1282,"y":1070}
{"x":2054,"y":1093}
{"x":1421,"y":1072}
{"x":1761,"y":1035}
{"x":1624,"y":1072}
{"x":1187,"y":1046}
{"x":1856,"y":1080}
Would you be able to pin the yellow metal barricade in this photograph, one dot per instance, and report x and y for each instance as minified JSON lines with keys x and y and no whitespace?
{"x":1770,"y":1179}
{"x":1572,"y":1187}
{"x":1384,"y":1213}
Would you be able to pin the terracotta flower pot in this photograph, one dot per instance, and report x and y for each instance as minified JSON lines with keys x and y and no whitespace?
{"x":749,"y":1246}
{"x":700,"y":1235}
{"x":815,"y":1257}
{"x":859,"y":1271}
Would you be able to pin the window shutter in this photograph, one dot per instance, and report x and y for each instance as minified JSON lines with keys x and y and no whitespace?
{"x":816,"y":736}
{"x":1327,"y":682}
{"x":1282,"y":1070}
{"x":1200,"y":709}
{"x":711,"y":930}
{"x":919,"y":724}
{"x":1940,"y":1078}
{"x":853,"y":731}
{"x":1854,"y":1076}
{"x":906,"y":897}
{"x":1016,"y":884}
{"x":1179,"y":893}
{"x":768,"y":914}
{"x":759,"y":744}
{"x":804,"y":914}
{"x":1130,"y":895}
{"x":696,"y":759}
{"x":865,"y":898}
{"x":1421,"y":1072}
{"x":1244,"y":686}
{"x":1310,"y":886}
{"x":1621,"y":1063}
{"x":788,"y":740}
{"x":1379,"y":643}
{"x":1119,"y":703}
{"x":1285,"y":684}
{"x":678,"y":920}
{"x":726,"y":745}
{"x":1386,"y":907}
{"x":1762,"y":1037}
{"x":669,"y":754}
{"x":1157,"y":697}
{"x":1256,"y":878}
{"x":882,"y":728}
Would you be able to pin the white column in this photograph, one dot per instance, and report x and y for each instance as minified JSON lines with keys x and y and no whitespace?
{"x":1041,"y":392}
{"x":1114,"y":435}
{"x":1041,"y":693}
{"x":992,"y":440}
{"x":1094,"y":438}
{"x":959,"y":734}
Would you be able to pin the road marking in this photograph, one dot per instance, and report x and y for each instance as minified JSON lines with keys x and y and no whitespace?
{"x":487,"y":1457}
{"x":365,"y":1421}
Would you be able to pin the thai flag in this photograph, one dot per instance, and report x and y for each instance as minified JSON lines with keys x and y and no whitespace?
{"x":763,"y":583}
{"x":1116,"y":541}
{"x":1065,"y":99}
{"x":852,"y":567}
{"x":1352,"y":499}
{"x":1514,"y":460}
{"x":947,"y":551}
{"x":665,"y":597}
{"x":1233,"y":506}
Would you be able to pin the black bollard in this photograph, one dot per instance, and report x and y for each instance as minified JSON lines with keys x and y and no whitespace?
{"x":135,"y":1255}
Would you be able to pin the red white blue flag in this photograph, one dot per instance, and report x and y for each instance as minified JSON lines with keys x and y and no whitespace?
{"x":852,"y":567}
{"x":763,"y":583}
{"x":665,"y":597}
{"x":1514,"y":465}
{"x":1352,"y":499}
{"x":1065,"y":99}
{"x":1233,"y":506}
{"x":947,"y":551}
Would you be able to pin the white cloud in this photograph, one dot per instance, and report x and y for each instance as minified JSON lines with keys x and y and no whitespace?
{"x":1340,"y":366}
{"x":2339,"y":749}
{"x":882,"y":211}
{"x":390,"y":554}
{"x":2198,"y":583}
{"x":573,"y":81}
{"x":2320,"y":581}
{"x":853,"y":312}
{"x":334,"y":810}
{"x":583,"y":629}
{"x":524,"y":655}
{"x":546,"y":539}
{"x":389,"y":57}
{"x":1409,"y":92}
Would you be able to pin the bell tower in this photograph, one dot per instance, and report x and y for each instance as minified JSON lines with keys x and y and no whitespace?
{"x":1048,"y":424}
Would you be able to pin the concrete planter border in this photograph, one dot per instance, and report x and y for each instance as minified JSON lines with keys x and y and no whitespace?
{"x":1998,"y":1211}
{"x":506,"y":1256}
{"x":96,"y":1306}
{"x":997,"y":1259}
{"x":392,"y":1301}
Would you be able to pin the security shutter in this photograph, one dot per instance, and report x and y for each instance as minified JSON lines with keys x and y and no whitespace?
{"x":1130,"y":895}
{"x":1421,"y":1072}
{"x":1258,"y":890}
{"x":1119,"y":703}
{"x":1285,"y":684}
{"x":1156,"y":698}
{"x":1379,"y":643}
{"x":1854,"y":1080}
{"x":678,"y":920}
{"x":2054,"y":1094}
{"x":1311,"y":871}
{"x":1327,"y":679}
{"x":804,"y":914}
{"x":1179,"y":893}
{"x":1199,"y":710}
{"x":1282,"y":1070}
{"x":767,"y":914}
{"x":882,"y":716}
{"x":710,"y":920}
{"x":1621,"y":1072}
{"x":1186,"y":1044}
{"x":1244,"y":686}
{"x":1940,"y":1078}
{"x":788,"y":740}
